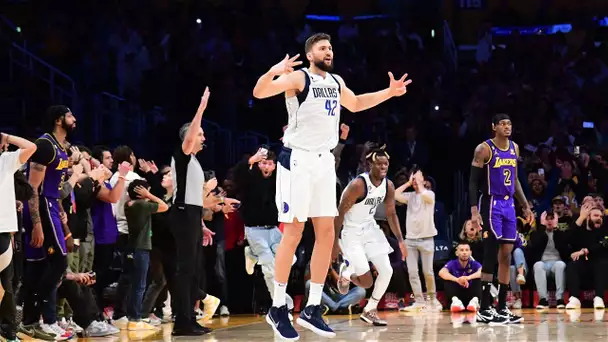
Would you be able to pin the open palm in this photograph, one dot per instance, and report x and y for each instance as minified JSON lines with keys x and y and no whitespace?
{"x":398,"y":87}
{"x":285,"y":66}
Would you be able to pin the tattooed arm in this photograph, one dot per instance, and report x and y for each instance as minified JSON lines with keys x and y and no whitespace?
{"x":354,"y":191}
{"x":481,"y":156}
{"x":393,"y":219}
{"x":35,"y":179}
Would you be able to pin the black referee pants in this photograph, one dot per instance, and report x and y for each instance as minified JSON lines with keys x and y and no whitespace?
{"x":186,"y":226}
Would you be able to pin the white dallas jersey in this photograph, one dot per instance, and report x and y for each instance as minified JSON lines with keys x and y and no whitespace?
{"x":314,"y":114}
{"x":363,"y":211}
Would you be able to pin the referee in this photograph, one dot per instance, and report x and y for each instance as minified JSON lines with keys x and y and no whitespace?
{"x":189,"y":199}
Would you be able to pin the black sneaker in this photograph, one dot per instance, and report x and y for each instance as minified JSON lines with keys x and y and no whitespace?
{"x":513,"y":319}
{"x":491,"y":317}
{"x":311,"y":318}
{"x":278,"y":318}
{"x":560,"y":304}
{"x":542,"y":304}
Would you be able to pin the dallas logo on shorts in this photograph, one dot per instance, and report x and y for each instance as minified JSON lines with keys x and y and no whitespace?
{"x":285,"y":207}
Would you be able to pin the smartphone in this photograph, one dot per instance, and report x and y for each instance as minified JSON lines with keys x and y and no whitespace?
{"x":541,"y":172}
{"x":264,"y":149}
{"x":93,"y":275}
{"x":588,"y":124}
{"x":577,"y":151}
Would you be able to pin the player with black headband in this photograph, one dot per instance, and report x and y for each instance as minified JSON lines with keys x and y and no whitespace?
{"x":494,"y":174}
{"x":47,"y":239}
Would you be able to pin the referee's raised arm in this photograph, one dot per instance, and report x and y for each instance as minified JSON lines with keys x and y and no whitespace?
{"x":189,"y":139}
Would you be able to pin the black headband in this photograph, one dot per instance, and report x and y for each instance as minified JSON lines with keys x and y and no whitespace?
{"x":499,"y":117}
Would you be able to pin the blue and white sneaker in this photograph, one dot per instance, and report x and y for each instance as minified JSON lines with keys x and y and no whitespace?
{"x":278,"y":318}
{"x":312,"y":319}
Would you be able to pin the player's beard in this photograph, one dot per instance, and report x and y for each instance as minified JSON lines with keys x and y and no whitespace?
{"x":321,"y":65}
{"x":67,"y":128}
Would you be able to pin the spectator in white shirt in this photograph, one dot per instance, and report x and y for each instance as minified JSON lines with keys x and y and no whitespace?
{"x":10,"y":162}
{"x":420,"y":231}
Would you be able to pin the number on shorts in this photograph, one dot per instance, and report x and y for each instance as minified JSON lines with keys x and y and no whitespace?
{"x":331,"y":105}
{"x":507,"y":174}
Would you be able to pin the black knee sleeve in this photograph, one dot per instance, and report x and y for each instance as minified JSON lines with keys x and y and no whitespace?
{"x":490,"y":254}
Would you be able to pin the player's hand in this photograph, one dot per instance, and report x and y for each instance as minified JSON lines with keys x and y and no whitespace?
{"x":37,"y":236}
{"x":69,"y":244}
{"x":336,"y":250}
{"x":403,"y":250}
{"x":398,"y":87}
{"x":285,"y":66}
{"x":260,"y":155}
{"x":476,"y":218}
{"x":462,"y":281}
{"x":528,"y":215}
{"x":204,"y":100}
{"x":344,"y":129}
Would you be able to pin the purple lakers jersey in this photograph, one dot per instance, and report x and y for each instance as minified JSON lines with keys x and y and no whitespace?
{"x":56,"y":170}
{"x":501,"y":170}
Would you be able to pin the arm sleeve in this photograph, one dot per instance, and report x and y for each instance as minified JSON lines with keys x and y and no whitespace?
{"x":474,"y":179}
{"x":45,"y":152}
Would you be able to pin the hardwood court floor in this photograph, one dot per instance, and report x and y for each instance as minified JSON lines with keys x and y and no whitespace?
{"x":582,"y":326}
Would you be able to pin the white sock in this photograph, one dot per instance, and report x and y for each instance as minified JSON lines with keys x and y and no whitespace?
{"x":372,"y":304}
{"x":280,"y":291}
{"x":314,"y":294}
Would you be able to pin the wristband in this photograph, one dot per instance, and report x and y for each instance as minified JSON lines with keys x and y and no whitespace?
{"x":67,"y":236}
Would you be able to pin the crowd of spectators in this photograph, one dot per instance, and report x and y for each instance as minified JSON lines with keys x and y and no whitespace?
{"x":554,"y":87}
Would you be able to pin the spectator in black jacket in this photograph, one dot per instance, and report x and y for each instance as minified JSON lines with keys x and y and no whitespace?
{"x":589,"y":241}
{"x":548,"y":251}
{"x":256,"y":181}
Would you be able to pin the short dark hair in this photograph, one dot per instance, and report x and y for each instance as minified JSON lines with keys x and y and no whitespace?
{"x":315,"y":38}
{"x":83,"y":148}
{"x":135,"y":183}
{"x":463,"y":243}
{"x":98,"y":151}
{"x":122,"y":154}
{"x":271,"y":156}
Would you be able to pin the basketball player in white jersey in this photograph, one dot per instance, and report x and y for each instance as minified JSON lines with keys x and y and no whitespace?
{"x":362,"y":239}
{"x":306,"y":179}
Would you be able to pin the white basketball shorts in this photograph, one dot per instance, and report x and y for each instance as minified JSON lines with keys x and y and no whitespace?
{"x":359,"y":244}
{"x":306,"y":185}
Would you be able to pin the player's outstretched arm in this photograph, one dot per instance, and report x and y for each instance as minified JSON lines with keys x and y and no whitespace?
{"x":267,"y":86}
{"x":480,"y":157}
{"x":195,"y":125}
{"x":357,"y":103}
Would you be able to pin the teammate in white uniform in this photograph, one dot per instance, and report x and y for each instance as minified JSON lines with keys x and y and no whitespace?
{"x":306,"y":178}
{"x":362,"y":240}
